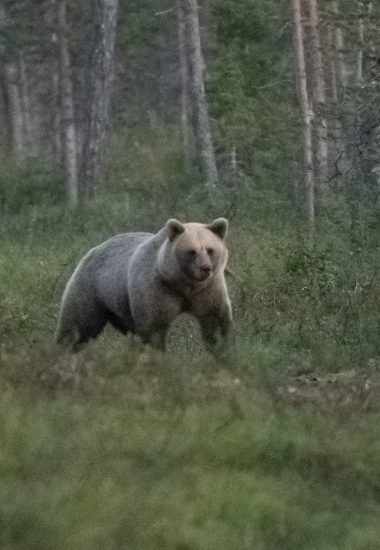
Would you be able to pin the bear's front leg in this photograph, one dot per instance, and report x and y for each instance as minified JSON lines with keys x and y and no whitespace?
{"x":153,"y":313}
{"x":216,"y":331}
{"x":155,"y":336}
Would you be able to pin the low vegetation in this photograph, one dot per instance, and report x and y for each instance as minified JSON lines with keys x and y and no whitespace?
{"x":120,"y":446}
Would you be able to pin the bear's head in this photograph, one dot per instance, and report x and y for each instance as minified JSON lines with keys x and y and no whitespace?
{"x":198,"y":249}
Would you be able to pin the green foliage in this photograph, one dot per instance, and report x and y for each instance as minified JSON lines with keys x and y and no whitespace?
{"x":147,"y":30}
{"x":249,"y":66}
{"x":19,"y":25}
{"x":26,"y":185}
{"x":313,"y":300}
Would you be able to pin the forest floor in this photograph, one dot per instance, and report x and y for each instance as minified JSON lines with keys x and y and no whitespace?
{"x":354,"y":388}
{"x":344,"y":388}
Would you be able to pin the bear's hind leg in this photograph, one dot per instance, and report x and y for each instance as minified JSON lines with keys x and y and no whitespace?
{"x":118,"y":323}
{"x":75,"y":329}
{"x":155,"y":336}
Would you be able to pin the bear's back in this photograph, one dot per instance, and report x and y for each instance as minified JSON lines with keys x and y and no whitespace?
{"x":117,"y":249}
{"x":108,"y":266}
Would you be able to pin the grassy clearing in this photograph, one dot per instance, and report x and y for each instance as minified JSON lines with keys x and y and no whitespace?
{"x":124,"y":448}
{"x":225,"y":469}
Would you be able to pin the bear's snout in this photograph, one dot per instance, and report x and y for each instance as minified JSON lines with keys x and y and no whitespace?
{"x":205,"y":270}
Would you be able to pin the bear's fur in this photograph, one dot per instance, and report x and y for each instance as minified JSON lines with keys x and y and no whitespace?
{"x":140,"y":282}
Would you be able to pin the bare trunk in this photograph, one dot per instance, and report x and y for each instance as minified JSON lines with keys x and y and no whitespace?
{"x":334,"y":124}
{"x":100,"y":78}
{"x":56,"y":118}
{"x":350,"y":122}
{"x":204,"y":145}
{"x":184,"y":99}
{"x":6,"y":115}
{"x":359,"y":59}
{"x":330,"y":45}
{"x":15,"y":105}
{"x":25,"y":102}
{"x":233,"y":160}
{"x":53,"y":129}
{"x":339,"y":49}
{"x":67,"y":121}
{"x":343,"y":126}
{"x":373,"y":31}
{"x":319,"y":98}
{"x":376,"y":168}
{"x":6,"y":119}
{"x":306,"y":112}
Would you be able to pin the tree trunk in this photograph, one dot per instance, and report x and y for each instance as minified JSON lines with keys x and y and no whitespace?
{"x":69,"y":147}
{"x":319,"y":98}
{"x":25,"y":103}
{"x":184,"y":98}
{"x":203,"y":139}
{"x":15,"y":105}
{"x":373,"y":31}
{"x":99,"y":91}
{"x":339,"y":49}
{"x":350,"y":122}
{"x":306,"y":112}
{"x":332,"y":64}
{"x":342,"y":132}
{"x":359,"y":58}
{"x":376,"y":168}
{"x":334,"y":123}
{"x":6,"y":118}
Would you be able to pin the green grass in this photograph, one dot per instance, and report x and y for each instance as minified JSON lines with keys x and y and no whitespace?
{"x":121,"y":447}
{"x":243,"y":472}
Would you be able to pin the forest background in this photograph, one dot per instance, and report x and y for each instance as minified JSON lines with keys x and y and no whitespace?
{"x":116,"y":116}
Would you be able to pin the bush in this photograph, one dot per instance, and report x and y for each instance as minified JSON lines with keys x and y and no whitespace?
{"x":27,"y":185}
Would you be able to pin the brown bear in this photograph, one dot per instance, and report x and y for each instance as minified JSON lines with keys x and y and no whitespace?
{"x":141,"y":282}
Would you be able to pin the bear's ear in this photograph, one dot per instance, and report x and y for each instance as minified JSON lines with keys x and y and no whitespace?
{"x":174,"y":228}
{"x":219,"y":227}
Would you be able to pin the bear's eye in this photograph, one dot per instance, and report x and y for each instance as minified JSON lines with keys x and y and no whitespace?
{"x":192,"y":253}
{"x":210,"y":251}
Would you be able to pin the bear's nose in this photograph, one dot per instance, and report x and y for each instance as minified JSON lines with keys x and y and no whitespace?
{"x":205,"y":269}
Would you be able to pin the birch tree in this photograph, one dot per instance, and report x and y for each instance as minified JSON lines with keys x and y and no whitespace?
{"x":374,"y":74}
{"x":99,"y":92}
{"x":66,"y":118}
{"x":10,"y":84}
{"x":203,"y":139}
{"x":319,"y":97}
{"x":184,"y":81}
{"x":6,"y":126}
{"x":359,"y":58}
{"x":306,"y":112}
{"x":11,"y":73}
{"x":341,"y":71}
{"x":25,"y":102}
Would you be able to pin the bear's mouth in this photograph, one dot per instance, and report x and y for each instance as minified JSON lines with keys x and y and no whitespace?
{"x":196,"y":275}
{"x":203,"y":276}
